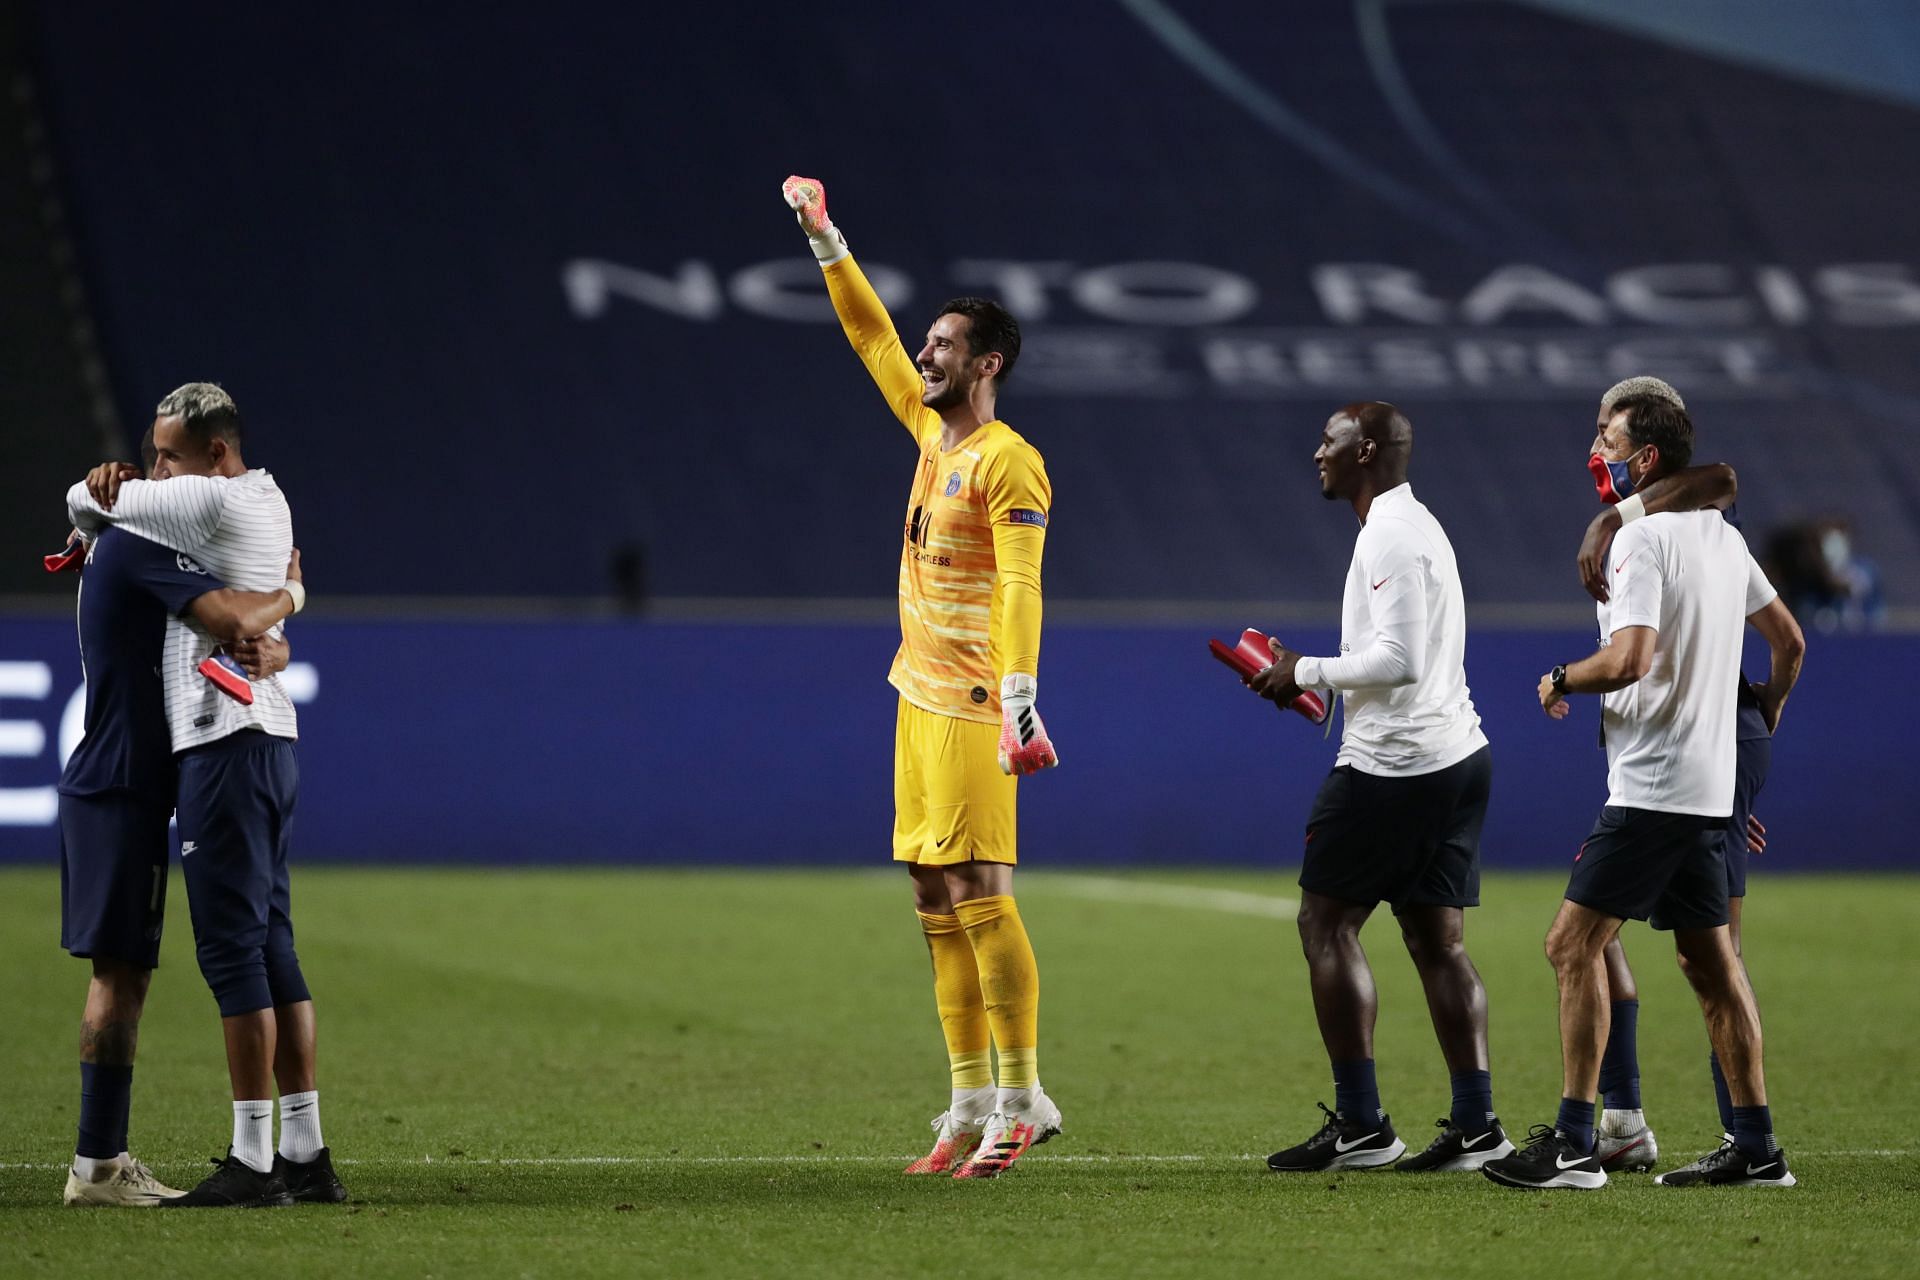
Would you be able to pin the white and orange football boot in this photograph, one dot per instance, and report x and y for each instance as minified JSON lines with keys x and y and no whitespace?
{"x":1010,"y":1133}
{"x":954,"y":1139}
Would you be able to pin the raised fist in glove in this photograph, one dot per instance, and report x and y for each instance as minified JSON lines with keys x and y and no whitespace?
{"x":807,"y":197}
{"x":1024,"y":746}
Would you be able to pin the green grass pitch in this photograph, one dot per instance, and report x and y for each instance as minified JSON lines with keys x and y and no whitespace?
{"x":755,"y":1054}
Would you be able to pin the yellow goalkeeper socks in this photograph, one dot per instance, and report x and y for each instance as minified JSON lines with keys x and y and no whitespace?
{"x":956,"y":993}
{"x":1009,"y":982}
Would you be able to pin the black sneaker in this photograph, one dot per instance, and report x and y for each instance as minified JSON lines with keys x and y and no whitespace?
{"x":1550,"y":1160}
{"x":1454,"y":1151}
{"x":1341,"y":1144}
{"x":311,"y":1181}
{"x":1731,"y":1167}
{"x":234,"y":1185}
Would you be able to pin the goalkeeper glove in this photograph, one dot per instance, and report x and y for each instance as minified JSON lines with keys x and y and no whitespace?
{"x":808,"y":199}
{"x":1252,"y":656}
{"x":72,"y":557}
{"x":1024,"y":746}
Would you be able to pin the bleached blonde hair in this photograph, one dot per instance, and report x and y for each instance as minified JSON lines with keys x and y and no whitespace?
{"x":1642,"y":386}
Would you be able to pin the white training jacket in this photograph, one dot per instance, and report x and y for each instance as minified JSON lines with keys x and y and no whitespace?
{"x":1403,"y":641}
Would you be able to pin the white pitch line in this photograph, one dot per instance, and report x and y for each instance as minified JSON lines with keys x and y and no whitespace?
{"x":1159,"y":893}
{"x":459,"y":1162}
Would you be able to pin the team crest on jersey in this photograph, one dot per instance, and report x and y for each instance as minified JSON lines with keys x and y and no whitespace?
{"x":186,"y":563}
{"x":953,"y":484}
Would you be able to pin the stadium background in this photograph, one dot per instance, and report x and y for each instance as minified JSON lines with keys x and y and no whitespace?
{"x":600,"y":514}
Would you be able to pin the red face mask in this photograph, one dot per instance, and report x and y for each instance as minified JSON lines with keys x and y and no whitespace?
{"x":1612,"y":479}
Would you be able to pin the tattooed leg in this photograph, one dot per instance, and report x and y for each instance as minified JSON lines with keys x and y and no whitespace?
{"x":109,"y":1034}
{"x":110,"y":1026}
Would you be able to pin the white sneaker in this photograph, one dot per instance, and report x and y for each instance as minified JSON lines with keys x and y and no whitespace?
{"x":1623,"y":1143}
{"x":1010,"y":1133}
{"x":126,"y":1183}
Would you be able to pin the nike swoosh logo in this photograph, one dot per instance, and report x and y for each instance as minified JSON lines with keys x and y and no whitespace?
{"x":1563,"y":1163}
{"x":1344,"y":1147}
{"x":1383,"y":582}
{"x":302,"y":1107}
{"x":942,"y":840}
{"x":1762,"y":1169}
{"x":262,"y":1116}
{"x":1468,"y":1144}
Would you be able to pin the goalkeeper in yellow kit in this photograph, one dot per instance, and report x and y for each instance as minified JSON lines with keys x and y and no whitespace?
{"x":975,"y":528}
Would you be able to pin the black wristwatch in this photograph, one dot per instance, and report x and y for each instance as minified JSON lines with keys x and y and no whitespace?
{"x":1559,"y":677}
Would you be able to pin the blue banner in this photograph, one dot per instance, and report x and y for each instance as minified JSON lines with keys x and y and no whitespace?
{"x":630,"y":742}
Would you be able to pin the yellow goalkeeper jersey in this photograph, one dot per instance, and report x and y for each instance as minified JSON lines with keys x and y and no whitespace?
{"x":974,"y":533}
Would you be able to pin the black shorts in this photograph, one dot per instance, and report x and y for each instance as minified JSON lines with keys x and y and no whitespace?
{"x":1669,"y":869}
{"x":236,"y":820}
{"x":1411,"y":842}
{"x":113,"y":876}
{"x":1752,"y":758}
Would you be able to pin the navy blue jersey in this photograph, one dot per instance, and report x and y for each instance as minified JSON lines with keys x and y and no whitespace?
{"x":129,"y":589}
{"x":1748,"y":723}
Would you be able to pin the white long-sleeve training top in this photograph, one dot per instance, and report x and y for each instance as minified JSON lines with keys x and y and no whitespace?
{"x":1403,"y":643}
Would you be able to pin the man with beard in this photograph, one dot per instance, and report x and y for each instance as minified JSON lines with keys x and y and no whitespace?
{"x":970,"y":609}
{"x":1679,"y":586}
{"x":238,"y":786}
{"x":117,"y":795}
{"x":1623,"y":1140}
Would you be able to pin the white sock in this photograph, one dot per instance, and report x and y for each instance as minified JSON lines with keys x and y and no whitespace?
{"x":1016,"y":1101}
{"x":300,"y":1126}
{"x":94,"y":1168}
{"x":253,"y":1134}
{"x":973,"y":1104}
{"x":1622,"y":1122}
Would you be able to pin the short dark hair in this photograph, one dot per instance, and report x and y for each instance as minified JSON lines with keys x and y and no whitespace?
{"x":1656,"y":421}
{"x":991,"y":327}
{"x":205,"y":410}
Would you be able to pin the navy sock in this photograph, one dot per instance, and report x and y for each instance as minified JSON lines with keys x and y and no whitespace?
{"x":1723,"y":1094}
{"x":106,"y":1096}
{"x":1620,"y":1064}
{"x":1356,"y":1095}
{"x":1472,"y":1102}
{"x":1752,"y":1130}
{"x":1576,"y":1121}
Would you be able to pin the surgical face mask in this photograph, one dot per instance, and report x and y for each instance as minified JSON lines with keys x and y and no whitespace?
{"x":1835,"y":549}
{"x":1611,"y":478}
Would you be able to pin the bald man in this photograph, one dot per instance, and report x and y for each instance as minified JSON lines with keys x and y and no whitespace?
{"x":1398,"y":820}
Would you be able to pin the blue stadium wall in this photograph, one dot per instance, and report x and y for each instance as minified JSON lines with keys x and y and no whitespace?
{"x":613,"y":742}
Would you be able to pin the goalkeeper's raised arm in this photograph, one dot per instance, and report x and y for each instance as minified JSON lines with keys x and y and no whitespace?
{"x":862,"y":315}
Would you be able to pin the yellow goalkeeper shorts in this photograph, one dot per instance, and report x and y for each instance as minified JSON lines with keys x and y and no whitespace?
{"x":951,"y":803}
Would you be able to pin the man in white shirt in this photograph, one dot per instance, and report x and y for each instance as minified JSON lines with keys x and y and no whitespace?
{"x":1624,"y":1141}
{"x":1398,"y":820}
{"x":1680,"y":586}
{"x":238,"y":783}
